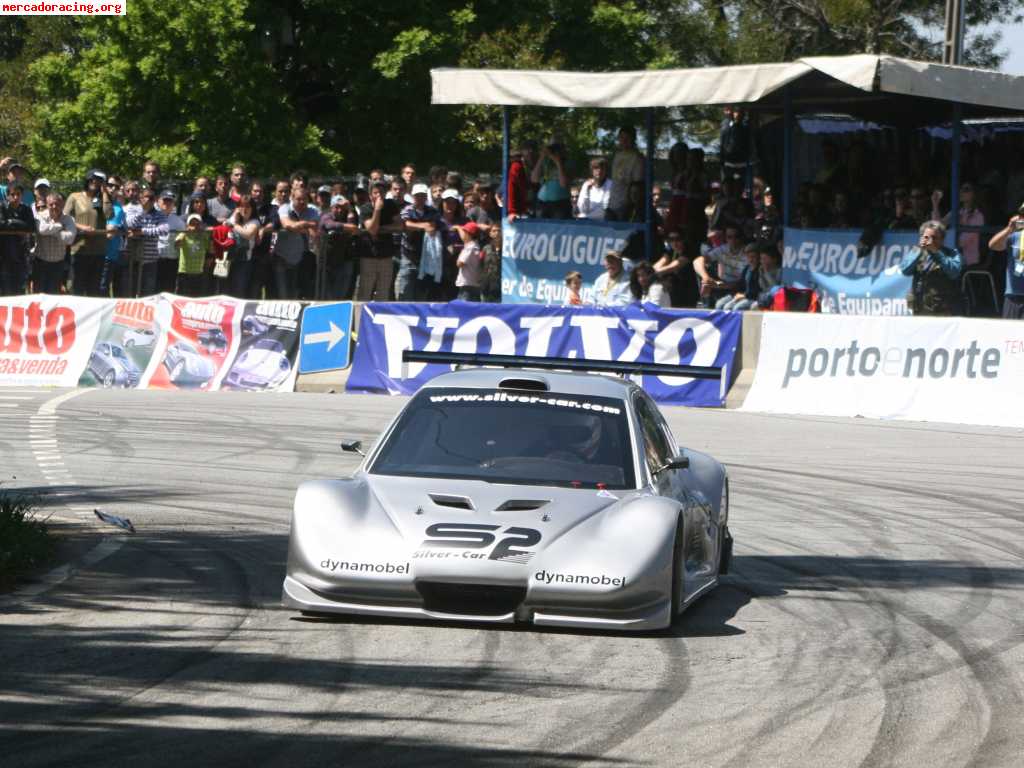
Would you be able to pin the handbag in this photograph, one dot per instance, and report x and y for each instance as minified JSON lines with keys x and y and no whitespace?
{"x":221,"y":267}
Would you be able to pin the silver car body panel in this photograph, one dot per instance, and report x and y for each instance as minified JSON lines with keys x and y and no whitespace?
{"x":475,"y":550}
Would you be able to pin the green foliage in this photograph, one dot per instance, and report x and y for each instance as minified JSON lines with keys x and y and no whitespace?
{"x":175,"y":82}
{"x":24,"y":540}
{"x":280,"y":84}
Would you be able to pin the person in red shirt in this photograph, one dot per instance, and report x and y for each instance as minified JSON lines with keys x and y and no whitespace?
{"x":517,"y":198}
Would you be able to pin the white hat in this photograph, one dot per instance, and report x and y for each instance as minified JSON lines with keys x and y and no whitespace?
{"x":420,"y":189}
{"x":450,"y":194}
{"x":194,"y":217}
{"x":42,"y":183}
{"x":339,"y":200}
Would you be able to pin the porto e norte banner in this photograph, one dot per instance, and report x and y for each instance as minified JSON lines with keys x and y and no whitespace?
{"x":849,"y":281}
{"x":157,"y":342}
{"x":960,"y":370}
{"x":633,"y":333}
{"x":536,"y":255}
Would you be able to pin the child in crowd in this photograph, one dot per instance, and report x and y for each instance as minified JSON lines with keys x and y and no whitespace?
{"x":469,"y":262}
{"x":573,"y":283}
{"x":193,"y":245}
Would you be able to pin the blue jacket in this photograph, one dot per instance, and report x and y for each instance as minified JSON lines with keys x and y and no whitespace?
{"x":948,"y":260}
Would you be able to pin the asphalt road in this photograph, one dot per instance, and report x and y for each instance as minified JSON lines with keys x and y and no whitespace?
{"x":873,"y":617}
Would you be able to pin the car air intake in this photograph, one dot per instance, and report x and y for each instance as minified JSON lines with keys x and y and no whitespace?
{"x":455,"y":502}
{"x":472,"y":599}
{"x":522,"y":505}
{"x":534,"y":385}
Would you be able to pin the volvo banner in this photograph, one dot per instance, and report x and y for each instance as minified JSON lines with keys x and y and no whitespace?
{"x":633,"y":333}
{"x":954,"y":369}
{"x":536,"y":255}
{"x":849,"y":279}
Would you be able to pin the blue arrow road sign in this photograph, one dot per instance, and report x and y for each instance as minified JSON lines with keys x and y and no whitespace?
{"x":326,"y":337}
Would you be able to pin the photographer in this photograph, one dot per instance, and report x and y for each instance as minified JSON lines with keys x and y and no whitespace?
{"x":1011,"y":239}
{"x":936,"y":273}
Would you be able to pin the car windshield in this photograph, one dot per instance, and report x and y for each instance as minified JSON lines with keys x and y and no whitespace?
{"x":501,"y":436}
{"x":116,"y":351}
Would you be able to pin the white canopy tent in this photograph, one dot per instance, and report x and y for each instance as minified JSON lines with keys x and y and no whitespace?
{"x":884,"y":89}
{"x":856,"y":81}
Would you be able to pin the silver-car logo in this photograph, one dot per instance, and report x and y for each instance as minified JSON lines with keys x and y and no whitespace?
{"x":510,"y":549}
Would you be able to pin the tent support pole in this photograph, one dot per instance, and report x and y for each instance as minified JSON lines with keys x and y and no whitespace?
{"x":787,"y":155}
{"x":505,"y":151}
{"x":954,"y":189}
{"x":649,"y":187}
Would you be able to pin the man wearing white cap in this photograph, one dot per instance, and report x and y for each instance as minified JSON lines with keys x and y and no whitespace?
{"x":41,"y":189}
{"x":418,"y":220}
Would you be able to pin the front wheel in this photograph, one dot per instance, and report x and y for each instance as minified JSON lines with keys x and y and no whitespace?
{"x":109,"y":379}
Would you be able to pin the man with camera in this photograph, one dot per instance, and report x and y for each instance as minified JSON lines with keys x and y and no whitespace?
{"x":935,"y":270}
{"x":1011,"y":239}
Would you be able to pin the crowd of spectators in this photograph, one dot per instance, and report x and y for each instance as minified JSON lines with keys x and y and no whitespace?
{"x":435,"y":237}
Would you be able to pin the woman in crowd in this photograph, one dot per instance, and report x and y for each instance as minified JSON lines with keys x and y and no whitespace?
{"x":675,"y":271}
{"x":595,"y":192}
{"x":553,"y":198}
{"x":646,"y":287}
{"x":246,"y":228}
{"x":452,"y":216}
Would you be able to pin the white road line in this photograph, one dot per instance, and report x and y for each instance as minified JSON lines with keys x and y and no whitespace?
{"x":15,"y":397}
{"x":41,"y":427}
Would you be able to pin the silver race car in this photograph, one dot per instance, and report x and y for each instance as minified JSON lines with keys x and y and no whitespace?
{"x":558,"y":498}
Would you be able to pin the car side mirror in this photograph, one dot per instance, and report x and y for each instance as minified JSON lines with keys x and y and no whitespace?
{"x":676,"y":462}
{"x":352,"y":446}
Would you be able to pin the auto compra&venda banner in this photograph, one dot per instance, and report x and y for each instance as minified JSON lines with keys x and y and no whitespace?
{"x":635,"y":333}
{"x":46,"y":340}
{"x":160,"y":342}
{"x":959,"y":370}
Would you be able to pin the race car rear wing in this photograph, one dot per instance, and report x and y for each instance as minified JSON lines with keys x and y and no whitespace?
{"x":570,"y":364}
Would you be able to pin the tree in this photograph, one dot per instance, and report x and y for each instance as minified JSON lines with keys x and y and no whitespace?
{"x":178,"y":83}
{"x":908,"y":28}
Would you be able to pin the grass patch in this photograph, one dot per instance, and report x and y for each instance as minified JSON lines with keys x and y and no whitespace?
{"x":25,"y":542}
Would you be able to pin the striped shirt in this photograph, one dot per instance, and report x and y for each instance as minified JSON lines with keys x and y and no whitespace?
{"x":54,"y":237}
{"x":153,"y":224}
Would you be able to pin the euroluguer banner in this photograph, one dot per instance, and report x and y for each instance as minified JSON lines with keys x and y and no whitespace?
{"x":537,"y":254}
{"x":161,"y":342}
{"x":847,"y":282}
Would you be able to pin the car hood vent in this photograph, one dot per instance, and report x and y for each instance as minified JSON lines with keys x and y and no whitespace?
{"x":455,"y":502}
{"x":522,"y":505}
{"x":537,"y":384}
